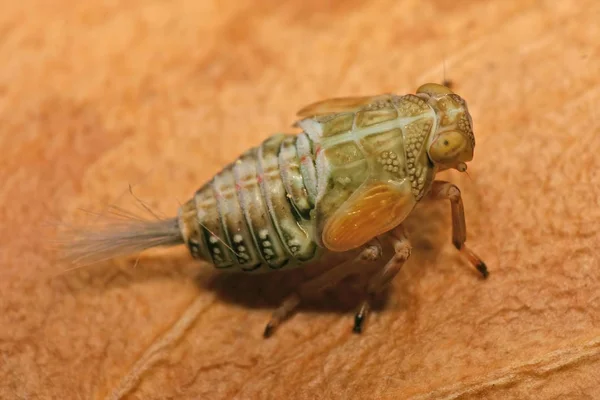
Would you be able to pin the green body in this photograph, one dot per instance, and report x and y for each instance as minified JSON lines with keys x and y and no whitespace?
{"x":267,"y":210}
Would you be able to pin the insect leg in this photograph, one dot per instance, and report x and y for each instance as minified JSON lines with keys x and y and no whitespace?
{"x":442,"y":190}
{"x":384,"y":276}
{"x":370,"y":252}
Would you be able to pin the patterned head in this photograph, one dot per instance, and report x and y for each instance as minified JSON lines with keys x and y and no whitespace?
{"x":452,"y":143}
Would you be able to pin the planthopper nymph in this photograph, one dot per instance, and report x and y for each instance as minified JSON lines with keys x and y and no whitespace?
{"x":348,"y":180}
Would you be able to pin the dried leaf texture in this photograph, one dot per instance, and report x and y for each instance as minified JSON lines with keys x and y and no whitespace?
{"x":98,"y":95}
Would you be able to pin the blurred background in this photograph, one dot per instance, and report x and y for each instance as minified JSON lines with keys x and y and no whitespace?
{"x":99,"y":95}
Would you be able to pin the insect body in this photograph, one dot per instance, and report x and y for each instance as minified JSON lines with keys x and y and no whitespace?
{"x":354,"y":173}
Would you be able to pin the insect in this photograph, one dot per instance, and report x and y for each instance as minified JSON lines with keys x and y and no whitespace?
{"x":350,"y":178}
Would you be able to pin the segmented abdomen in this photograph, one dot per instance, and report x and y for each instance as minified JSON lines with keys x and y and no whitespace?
{"x":255,"y":214}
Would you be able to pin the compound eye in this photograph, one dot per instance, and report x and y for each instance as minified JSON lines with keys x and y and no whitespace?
{"x":434,"y":89}
{"x":448,"y":148}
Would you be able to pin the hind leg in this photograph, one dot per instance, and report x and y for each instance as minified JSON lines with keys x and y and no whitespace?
{"x":371,"y":252}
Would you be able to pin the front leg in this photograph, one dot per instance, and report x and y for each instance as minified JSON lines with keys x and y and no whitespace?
{"x":442,"y":190}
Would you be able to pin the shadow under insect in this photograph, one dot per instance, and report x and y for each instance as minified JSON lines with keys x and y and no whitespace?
{"x":427,"y":228}
{"x":428,"y":232}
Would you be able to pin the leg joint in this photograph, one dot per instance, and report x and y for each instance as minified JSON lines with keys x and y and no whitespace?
{"x":371,"y":253}
{"x":453,"y":193}
{"x":402,"y":251}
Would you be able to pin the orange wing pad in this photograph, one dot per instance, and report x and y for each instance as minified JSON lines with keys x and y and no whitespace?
{"x":373,"y":210}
